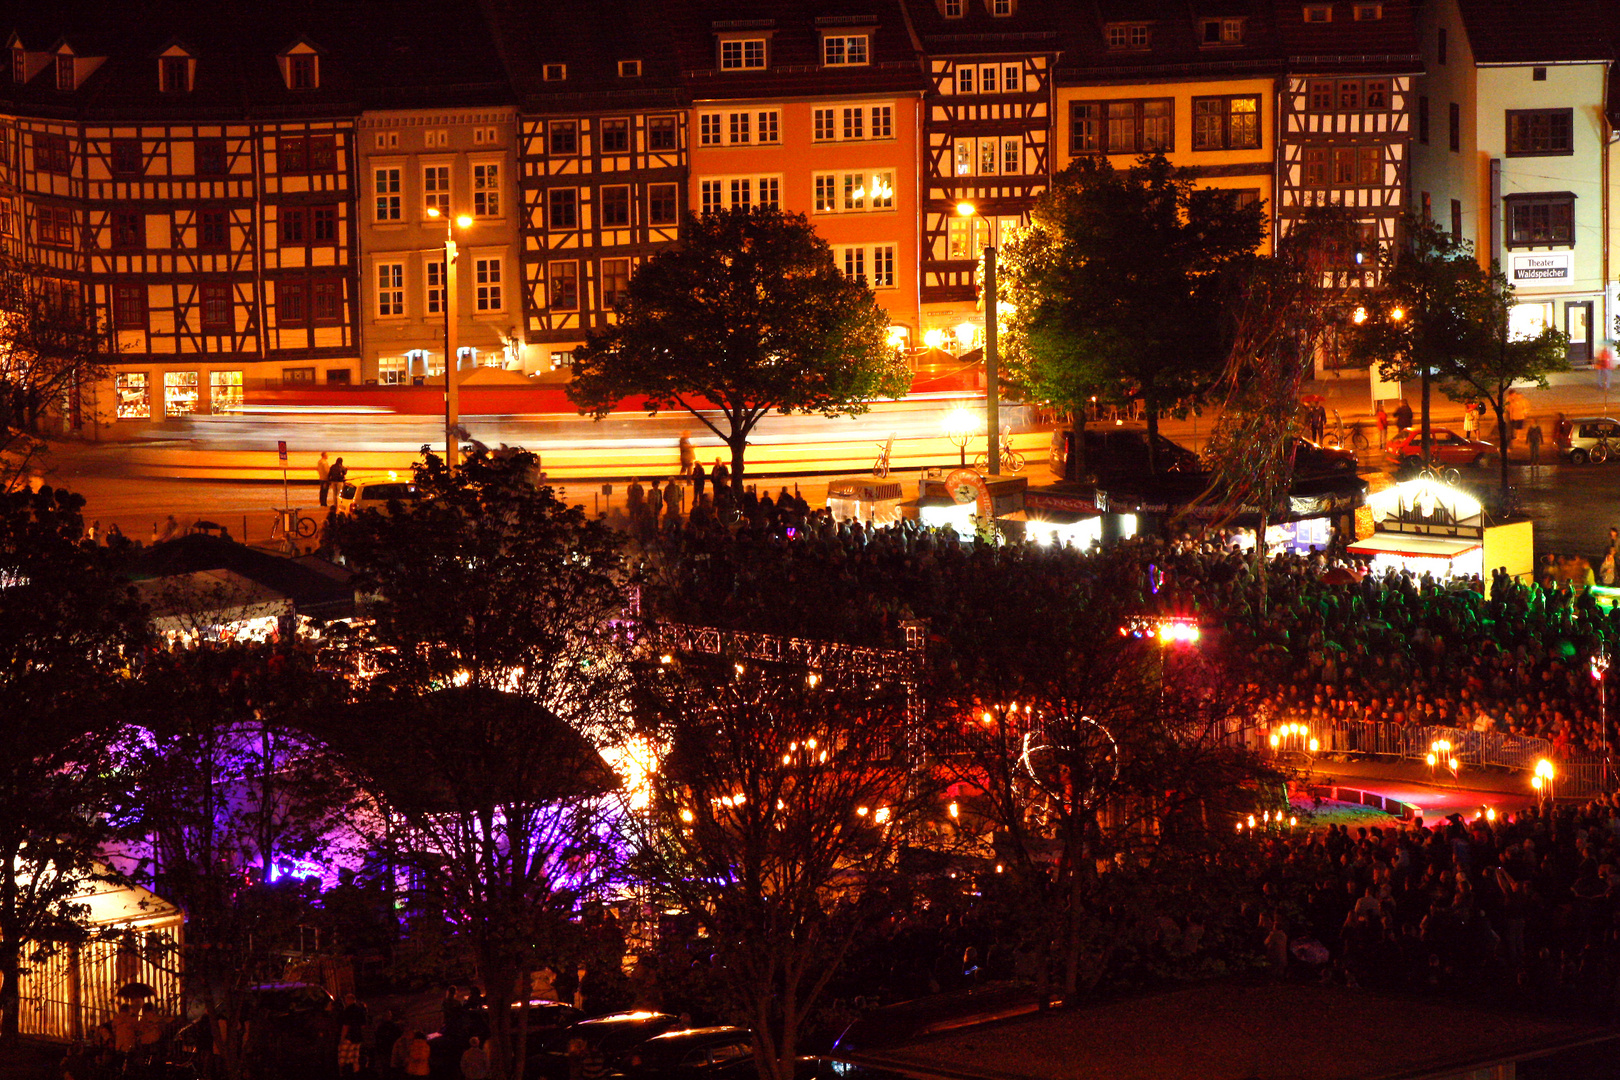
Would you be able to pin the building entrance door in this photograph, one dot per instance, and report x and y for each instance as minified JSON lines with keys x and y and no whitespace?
{"x":1578,"y":325}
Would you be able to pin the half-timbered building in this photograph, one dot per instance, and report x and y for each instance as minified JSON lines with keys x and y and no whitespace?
{"x":602,"y":153}
{"x":987,"y":128}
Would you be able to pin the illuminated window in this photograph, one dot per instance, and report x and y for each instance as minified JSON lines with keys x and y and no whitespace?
{"x":180,"y":393}
{"x":225,"y":391}
{"x":844,"y":50}
{"x":134,"y":396}
{"x":742,"y":55}
{"x":486,"y":180}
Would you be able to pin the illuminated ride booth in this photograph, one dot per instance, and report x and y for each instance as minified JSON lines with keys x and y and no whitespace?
{"x":1427,"y":526}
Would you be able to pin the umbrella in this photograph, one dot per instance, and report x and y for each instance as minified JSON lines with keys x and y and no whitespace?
{"x":1340,"y":575}
{"x":136,"y":990}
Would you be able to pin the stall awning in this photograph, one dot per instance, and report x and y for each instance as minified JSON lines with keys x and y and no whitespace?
{"x":1047,"y":517}
{"x":1413,"y":547}
{"x":865,"y":490}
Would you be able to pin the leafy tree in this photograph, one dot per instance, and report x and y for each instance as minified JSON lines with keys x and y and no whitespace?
{"x":1098,"y":758}
{"x":499,"y":645}
{"x":65,"y":621}
{"x":1118,"y":287}
{"x":745,"y":317}
{"x":50,"y":346}
{"x":1288,"y":306}
{"x":238,"y":799}
{"x":1442,"y":317}
{"x":775,"y":820}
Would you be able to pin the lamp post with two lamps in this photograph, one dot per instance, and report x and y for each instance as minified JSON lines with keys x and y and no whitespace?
{"x":992,"y":390}
{"x":452,"y":393}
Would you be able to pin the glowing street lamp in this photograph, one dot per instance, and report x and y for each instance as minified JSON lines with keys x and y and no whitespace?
{"x":452,"y":393}
{"x":1542,"y":781}
{"x":960,"y":425}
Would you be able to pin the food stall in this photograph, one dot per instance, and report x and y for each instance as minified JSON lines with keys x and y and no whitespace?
{"x":865,"y":499}
{"x":1427,"y":526}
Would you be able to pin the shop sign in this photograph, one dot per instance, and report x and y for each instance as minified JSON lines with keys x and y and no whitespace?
{"x":1544,"y":267}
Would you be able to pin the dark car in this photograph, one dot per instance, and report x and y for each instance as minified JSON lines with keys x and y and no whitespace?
{"x":1314,"y":459}
{"x":1446,"y":448}
{"x":1118,"y":450}
{"x":613,"y":1035}
{"x":710,"y":1053}
{"x":546,"y":1017}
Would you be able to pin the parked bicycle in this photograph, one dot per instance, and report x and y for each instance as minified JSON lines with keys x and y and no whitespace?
{"x":290,"y":525}
{"x":1600,"y":450}
{"x":1352,"y":437}
{"x":1011,"y":460}
{"x":880,"y":467}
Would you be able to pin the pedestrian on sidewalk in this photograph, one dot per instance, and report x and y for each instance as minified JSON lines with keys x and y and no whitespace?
{"x":1518,"y":409}
{"x":1403,"y":416}
{"x":687,"y":458}
{"x":1532,"y":439}
{"x":335,"y":477}
{"x":323,"y":473}
{"x":1470,"y":420}
{"x":1604,"y":363}
{"x":1382,"y":417}
{"x":699,"y":477}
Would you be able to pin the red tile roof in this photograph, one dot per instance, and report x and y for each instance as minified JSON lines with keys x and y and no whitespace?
{"x":1546,"y":31}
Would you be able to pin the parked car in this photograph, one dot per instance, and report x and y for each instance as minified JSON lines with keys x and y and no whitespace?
{"x":709,"y":1053}
{"x":1119,"y":451}
{"x":613,"y":1035}
{"x":1446,"y":447}
{"x":1584,"y":434}
{"x":1314,"y":459}
{"x":374,"y":495}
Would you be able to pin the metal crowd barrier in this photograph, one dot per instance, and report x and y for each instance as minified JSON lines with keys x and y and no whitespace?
{"x":1577,"y":774}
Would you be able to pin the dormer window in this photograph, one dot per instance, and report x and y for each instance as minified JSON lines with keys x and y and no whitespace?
{"x":1318,"y":13}
{"x":1001,"y":8}
{"x":1128,"y":35}
{"x":629,"y":69}
{"x":174,"y":74}
{"x":554,"y":72}
{"x":844,"y":50}
{"x":742,"y":54}
{"x":1369,"y":12}
{"x":66,"y":75}
{"x":1222,"y":32}
{"x":19,"y":65}
{"x":301,"y":68}
{"x":951,"y":9}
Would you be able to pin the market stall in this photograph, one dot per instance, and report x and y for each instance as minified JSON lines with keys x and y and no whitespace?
{"x":1428,"y":526}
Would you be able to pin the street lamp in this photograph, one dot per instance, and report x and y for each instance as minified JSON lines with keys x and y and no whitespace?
{"x":1543,"y":780}
{"x":1600,"y":669}
{"x":452,"y":393}
{"x":992,"y":392}
{"x":959,"y":425}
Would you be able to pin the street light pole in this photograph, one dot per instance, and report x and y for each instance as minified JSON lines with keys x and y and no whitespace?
{"x":452,"y":392}
{"x":992,"y":389}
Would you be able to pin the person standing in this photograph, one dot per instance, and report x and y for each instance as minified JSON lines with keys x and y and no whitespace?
{"x":721,"y":475}
{"x":687,"y":457}
{"x":1604,"y":363}
{"x":323,"y":473}
{"x":1470,"y":420}
{"x":1403,"y":416}
{"x":417,"y":1055}
{"x":1382,"y":417}
{"x":384,"y":1039}
{"x":1532,"y":439}
{"x":336,"y":476}
{"x":673,"y":493}
{"x":699,"y":476}
{"x":474,"y":1060}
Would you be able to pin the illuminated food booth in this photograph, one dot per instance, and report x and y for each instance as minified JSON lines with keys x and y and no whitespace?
{"x":865,"y":499}
{"x":1427,"y":526}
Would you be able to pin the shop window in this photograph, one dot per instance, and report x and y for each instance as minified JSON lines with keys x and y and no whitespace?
{"x":225,"y":391}
{"x":180,"y":393}
{"x":134,"y":396}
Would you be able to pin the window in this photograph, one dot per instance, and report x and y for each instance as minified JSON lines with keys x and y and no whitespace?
{"x":562,"y":137}
{"x":825,"y":125}
{"x":1135,"y":127}
{"x":296,"y":375}
{"x":768,"y":128}
{"x":8,"y":222}
{"x":392,"y":370}
{"x":1423,"y":119}
{"x":213,"y":229}
{"x":1344,"y":166}
{"x":854,"y":263}
{"x":52,"y":153}
{"x":54,"y":225}
{"x":663,"y":204}
{"x":292,"y":303}
{"x":487,"y":282}
{"x":180,"y":393}
{"x":844,"y":50}
{"x":386,"y":187}
{"x":883,"y":267}
{"x":873,"y":265}
{"x":225,"y":391}
{"x":386,"y":140}
{"x":1226,"y":123}
{"x":629,"y":69}
{"x":615,"y":282}
{"x":562,"y":208}
{"x":964,"y":157}
{"x":326,"y":301}
{"x":302,"y":73}
{"x":554,"y":72}
{"x":989,"y":78}
{"x":713,"y":196}
{"x":19,"y":66}
{"x":1540,"y":220}
{"x":1369,"y":165}
{"x":1085,"y":127}
{"x":211,"y":158}
{"x":1247,"y":197}
{"x":709,"y":129}
{"x":129,"y":307}
{"x":563,"y":281}
{"x":436,"y":189}
{"x":741,"y":55}
{"x":486,"y":190}
{"x":390,"y":290}
{"x":304,"y":226}
{"x":437,"y":139}
{"x":854,"y":123}
{"x":882,"y":126}
{"x":65,"y":73}
{"x":322,"y":153}
{"x":826,"y":189}
{"x":433,"y":298}
{"x":128,"y":230}
{"x":615,"y":207}
{"x":614,"y":135}
{"x":661,"y":133}
{"x":127,"y":159}
{"x":1456,"y":218}
{"x":1222,"y":32}
{"x":323,"y":224}
{"x":1540,"y":132}
{"x":953,"y":9}
{"x":134,"y":396}
{"x":1321,"y":96}
{"x":214,"y":304}
{"x":964,"y":79}
{"x":740,"y":192}
{"x":1368,"y":12}
{"x":959,"y":238}
{"x":1316,"y":166}
{"x":1454,"y":126}
{"x":1127,"y":35}
{"x":854,"y":191}
{"x":1375,"y":94}
{"x":1318,"y":13}
{"x":1349,"y":95}
{"x":292,"y":154}
{"x":1012,"y":155}
{"x":1440,"y":45}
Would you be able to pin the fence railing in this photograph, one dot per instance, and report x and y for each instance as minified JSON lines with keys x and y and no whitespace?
{"x":1576,"y":774}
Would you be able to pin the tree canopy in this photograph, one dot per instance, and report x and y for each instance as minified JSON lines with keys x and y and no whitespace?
{"x":1118,"y":288}
{"x":746,"y":316}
